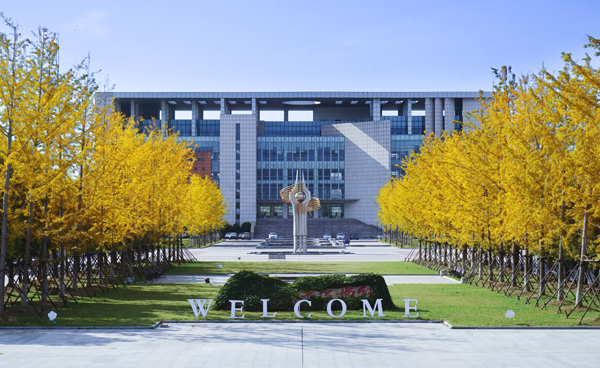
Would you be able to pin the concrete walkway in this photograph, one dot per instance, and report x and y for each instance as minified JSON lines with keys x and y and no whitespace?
{"x":299,"y":345}
{"x":246,"y":251}
{"x":389,"y":279}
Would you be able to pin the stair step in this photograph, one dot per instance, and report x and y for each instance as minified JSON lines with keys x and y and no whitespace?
{"x":316,"y":228}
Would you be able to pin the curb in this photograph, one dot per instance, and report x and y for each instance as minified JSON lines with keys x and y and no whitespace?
{"x":160,"y":323}
{"x":520,"y":327}
{"x":81,"y":327}
{"x":524,"y":328}
{"x":302,"y":321}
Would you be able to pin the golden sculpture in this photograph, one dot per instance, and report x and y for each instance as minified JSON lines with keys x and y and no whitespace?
{"x":299,"y":190}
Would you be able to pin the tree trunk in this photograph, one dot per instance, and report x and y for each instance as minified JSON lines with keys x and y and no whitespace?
{"x":464,"y":259}
{"x":582,"y":263}
{"x":75,"y":273}
{"x":113,"y":263}
{"x":100,"y":267}
{"x":515,"y":263}
{"x":63,"y":271}
{"x":561,"y":266}
{"x":45,"y":258}
{"x":501,"y":264}
{"x":479,"y":265}
{"x":123,"y":264}
{"x":63,"y":260}
{"x":89,"y":269}
{"x":491,"y":264}
{"x":27,"y":256}
{"x":526,"y":270}
{"x":4,"y":242}
{"x":542,"y":289}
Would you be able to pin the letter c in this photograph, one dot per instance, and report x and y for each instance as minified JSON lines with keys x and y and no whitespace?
{"x":297,"y":307}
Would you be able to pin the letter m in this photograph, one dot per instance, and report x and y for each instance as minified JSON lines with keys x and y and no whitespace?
{"x":202,"y":307}
{"x":367,"y":305}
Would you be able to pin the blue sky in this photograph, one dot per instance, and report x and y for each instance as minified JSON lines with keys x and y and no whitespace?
{"x":265,"y":45}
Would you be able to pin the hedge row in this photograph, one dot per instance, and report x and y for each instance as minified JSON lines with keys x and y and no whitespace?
{"x":252,"y":287}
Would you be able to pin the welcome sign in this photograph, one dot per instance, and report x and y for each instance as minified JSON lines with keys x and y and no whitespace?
{"x":202,"y":306}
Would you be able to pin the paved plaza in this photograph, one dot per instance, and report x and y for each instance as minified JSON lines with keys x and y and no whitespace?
{"x":297,"y":345}
{"x":389,"y":279}
{"x":363,"y":251}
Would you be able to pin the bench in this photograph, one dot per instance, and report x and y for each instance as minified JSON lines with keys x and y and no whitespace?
{"x":276,"y":256}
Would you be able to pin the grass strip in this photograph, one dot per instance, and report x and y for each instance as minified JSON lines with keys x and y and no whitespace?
{"x":459,"y":304}
{"x":383,"y":268}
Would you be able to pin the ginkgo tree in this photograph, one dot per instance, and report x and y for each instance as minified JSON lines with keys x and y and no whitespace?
{"x":524,"y":173}
{"x":79,"y":178}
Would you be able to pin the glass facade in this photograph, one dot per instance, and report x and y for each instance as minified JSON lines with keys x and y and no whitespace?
{"x":208,"y":128}
{"x":458,"y":127}
{"x":296,"y":128}
{"x":204,"y":128}
{"x":237,"y":172}
{"x":399,"y":124}
{"x":289,"y":146}
{"x":146,"y":125}
{"x":418,"y":125}
{"x":206,"y":139}
{"x":181,"y":127}
{"x":401,"y":147}
{"x":320,"y":159}
{"x":211,"y":145}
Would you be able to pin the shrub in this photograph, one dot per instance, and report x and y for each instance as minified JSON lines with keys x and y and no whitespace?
{"x":251,"y":288}
{"x":226,"y":229}
{"x":325,"y":282}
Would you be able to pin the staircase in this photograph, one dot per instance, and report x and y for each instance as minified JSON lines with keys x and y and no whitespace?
{"x":316,"y":228}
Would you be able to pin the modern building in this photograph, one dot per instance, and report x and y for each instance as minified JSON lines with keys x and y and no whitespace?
{"x":346,"y":144}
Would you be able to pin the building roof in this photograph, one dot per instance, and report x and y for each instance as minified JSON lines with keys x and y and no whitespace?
{"x":299,"y":95}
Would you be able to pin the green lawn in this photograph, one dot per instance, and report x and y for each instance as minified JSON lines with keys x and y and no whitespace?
{"x":384,"y":268}
{"x":459,"y":304}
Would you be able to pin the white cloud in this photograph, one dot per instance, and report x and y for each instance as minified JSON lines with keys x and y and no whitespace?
{"x":93,"y":23}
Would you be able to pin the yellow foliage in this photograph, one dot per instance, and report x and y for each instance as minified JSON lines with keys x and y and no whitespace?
{"x":524,"y":172}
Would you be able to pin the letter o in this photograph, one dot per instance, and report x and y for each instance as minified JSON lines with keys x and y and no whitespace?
{"x":329,"y":308}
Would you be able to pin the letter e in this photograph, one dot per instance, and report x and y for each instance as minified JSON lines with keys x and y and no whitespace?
{"x":234,"y":309}
{"x":408,"y":308}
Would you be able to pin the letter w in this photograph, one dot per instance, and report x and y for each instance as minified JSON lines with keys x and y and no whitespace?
{"x":202,"y":307}
{"x":367,"y":305}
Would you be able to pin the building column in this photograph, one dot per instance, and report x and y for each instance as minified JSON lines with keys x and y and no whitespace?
{"x":134,"y":110}
{"x":224,"y":107}
{"x":316,"y":214}
{"x":285,"y":209}
{"x":254,"y":107}
{"x":117,"y":104}
{"x":285,"y":114}
{"x":439,"y":117}
{"x":449,"y":114}
{"x":409,"y":115}
{"x":194,"y":117}
{"x":164,"y":109}
{"x":429,"y":116}
{"x":376,"y":109}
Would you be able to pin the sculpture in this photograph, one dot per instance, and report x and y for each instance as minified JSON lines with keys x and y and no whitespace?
{"x":302,"y":202}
